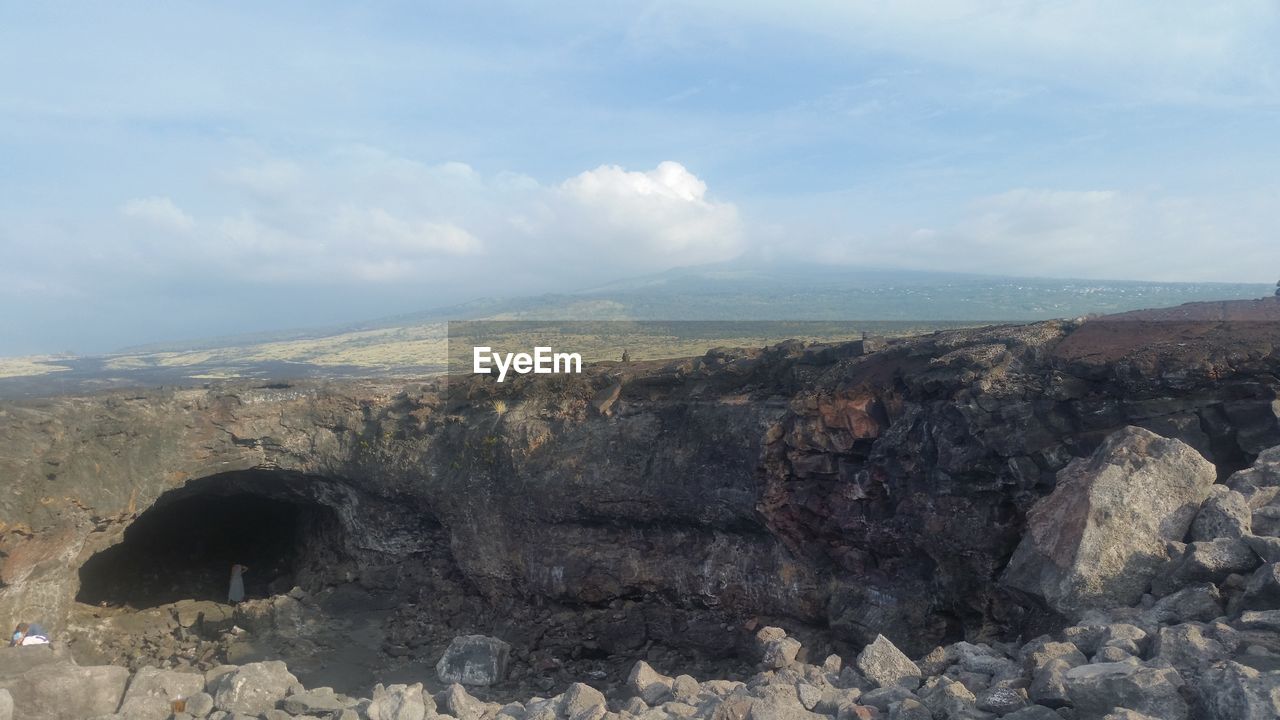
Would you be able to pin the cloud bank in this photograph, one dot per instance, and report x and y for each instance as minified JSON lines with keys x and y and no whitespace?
{"x":365,"y":217}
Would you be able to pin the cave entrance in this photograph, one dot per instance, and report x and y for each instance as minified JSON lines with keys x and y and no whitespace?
{"x":284,"y":527}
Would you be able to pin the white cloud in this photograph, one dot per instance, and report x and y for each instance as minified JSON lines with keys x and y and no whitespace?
{"x":655,"y":218}
{"x":158,"y":212}
{"x":379,"y":230}
{"x":1086,"y":234}
{"x":361,"y":215}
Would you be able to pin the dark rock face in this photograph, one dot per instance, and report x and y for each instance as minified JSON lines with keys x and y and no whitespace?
{"x":864,"y":494}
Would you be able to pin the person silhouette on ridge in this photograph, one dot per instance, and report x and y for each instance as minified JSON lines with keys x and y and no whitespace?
{"x":235,"y":595}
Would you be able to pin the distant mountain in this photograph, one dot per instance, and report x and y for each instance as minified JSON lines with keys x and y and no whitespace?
{"x":412,"y":344}
{"x":733,"y":291}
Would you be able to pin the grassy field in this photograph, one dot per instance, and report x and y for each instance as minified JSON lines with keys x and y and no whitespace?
{"x":30,"y":366}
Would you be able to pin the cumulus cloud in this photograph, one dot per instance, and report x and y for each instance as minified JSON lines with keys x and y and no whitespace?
{"x":159,"y":213}
{"x":361,"y":215}
{"x":654,"y":218}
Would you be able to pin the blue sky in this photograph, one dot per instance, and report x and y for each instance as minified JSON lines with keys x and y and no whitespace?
{"x":172,"y":170}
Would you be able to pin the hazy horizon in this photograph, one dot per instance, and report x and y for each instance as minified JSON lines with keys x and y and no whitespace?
{"x":186,"y":170}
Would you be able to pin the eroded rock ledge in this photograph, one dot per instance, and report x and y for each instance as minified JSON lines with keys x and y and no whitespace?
{"x":651,"y":505}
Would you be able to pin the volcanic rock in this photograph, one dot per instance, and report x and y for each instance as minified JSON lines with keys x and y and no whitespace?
{"x":884,"y":664}
{"x":1098,"y":539}
{"x":253,"y":689}
{"x":474,"y":660}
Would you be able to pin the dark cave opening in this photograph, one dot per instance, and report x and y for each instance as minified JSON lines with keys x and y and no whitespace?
{"x":183,"y":547}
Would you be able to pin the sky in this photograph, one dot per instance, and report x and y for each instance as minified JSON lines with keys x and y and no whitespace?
{"x":182,"y":170}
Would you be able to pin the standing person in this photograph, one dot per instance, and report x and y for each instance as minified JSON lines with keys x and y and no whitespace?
{"x":236,"y":594}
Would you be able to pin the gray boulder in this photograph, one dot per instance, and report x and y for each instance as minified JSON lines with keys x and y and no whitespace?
{"x":1188,"y":648}
{"x":1037,"y":653}
{"x":63,"y":691}
{"x":456,"y":701}
{"x":949,"y":700}
{"x":199,"y":705}
{"x":1049,"y":684}
{"x":1236,"y":692}
{"x":1201,"y":601}
{"x":1265,"y":472}
{"x":1097,"y":540}
{"x":1262,"y":592}
{"x":910,"y":709}
{"x":152,"y":690}
{"x":1208,"y":561}
{"x":1268,"y":548}
{"x":583,"y":702}
{"x":320,"y":701}
{"x":474,"y":660}
{"x":1097,"y":689}
{"x":776,"y":649}
{"x":648,"y":684}
{"x":884,"y":664}
{"x":6,"y":705}
{"x":1225,"y":514}
{"x":400,"y":702}
{"x":779,"y":702}
{"x":253,"y":689}
{"x":1260,"y":620}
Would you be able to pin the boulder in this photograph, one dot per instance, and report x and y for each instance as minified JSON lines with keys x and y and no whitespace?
{"x":456,"y":701}
{"x":1096,"y":689}
{"x":1201,"y":601}
{"x":199,"y":705}
{"x":583,"y":702}
{"x":911,"y":709}
{"x":779,"y":702}
{"x":685,"y":689}
{"x":1188,"y":648}
{"x":1002,"y":700}
{"x":1037,"y":653}
{"x":1097,"y":540}
{"x":1235,"y":692}
{"x":648,"y":684}
{"x":400,"y":702}
{"x":1260,"y":620}
{"x":474,"y":660}
{"x":1267,"y":548}
{"x":884,"y":664}
{"x":63,"y":691}
{"x":320,"y":701}
{"x":1225,"y":514}
{"x":949,"y":700}
{"x":1265,"y":472}
{"x":6,"y":705}
{"x":1208,"y":561}
{"x":1049,"y":684}
{"x":1262,"y":592}
{"x":152,"y":690}
{"x":15,"y":661}
{"x":776,"y":649}
{"x":253,"y":689}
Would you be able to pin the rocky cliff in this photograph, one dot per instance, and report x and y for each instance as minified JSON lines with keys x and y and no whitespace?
{"x":853,"y":490}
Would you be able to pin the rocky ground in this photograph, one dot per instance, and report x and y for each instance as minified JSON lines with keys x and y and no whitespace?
{"x":1170,"y":578}
{"x":1062,"y":515}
